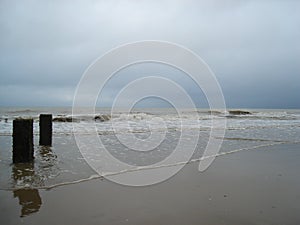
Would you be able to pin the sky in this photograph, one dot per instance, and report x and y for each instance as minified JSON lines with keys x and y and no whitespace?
{"x":253,"y":47}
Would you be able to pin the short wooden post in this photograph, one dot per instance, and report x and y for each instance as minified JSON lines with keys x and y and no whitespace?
{"x":23,"y":140}
{"x":46,"y":129}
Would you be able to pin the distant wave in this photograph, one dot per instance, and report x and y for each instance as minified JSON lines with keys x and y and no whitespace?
{"x":22,"y":111}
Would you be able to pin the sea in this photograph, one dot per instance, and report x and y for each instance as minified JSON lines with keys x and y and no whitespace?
{"x":63,"y":163}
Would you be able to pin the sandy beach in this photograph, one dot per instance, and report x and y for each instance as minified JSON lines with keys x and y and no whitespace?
{"x":259,"y":186}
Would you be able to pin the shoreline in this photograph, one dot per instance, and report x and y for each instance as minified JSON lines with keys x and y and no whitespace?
{"x":232,"y":190}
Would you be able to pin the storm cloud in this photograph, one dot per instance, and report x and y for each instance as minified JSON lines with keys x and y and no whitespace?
{"x":253,"y":47}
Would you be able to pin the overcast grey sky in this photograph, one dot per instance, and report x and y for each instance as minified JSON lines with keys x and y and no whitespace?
{"x":253,"y":47}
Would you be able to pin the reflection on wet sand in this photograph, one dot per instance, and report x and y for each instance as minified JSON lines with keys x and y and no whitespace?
{"x":46,"y":155}
{"x":25,"y":177}
{"x":29,"y":199}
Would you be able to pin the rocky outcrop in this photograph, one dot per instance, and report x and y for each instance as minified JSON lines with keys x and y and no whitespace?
{"x":63,"y":119}
{"x":102,"y":118}
{"x":239,"y":112}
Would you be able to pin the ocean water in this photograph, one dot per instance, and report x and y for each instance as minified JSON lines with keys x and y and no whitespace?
{"x":63,"y":163}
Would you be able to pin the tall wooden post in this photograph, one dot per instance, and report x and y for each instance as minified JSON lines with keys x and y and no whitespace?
{"x":23,"y":140}
{"x":46,"y":129}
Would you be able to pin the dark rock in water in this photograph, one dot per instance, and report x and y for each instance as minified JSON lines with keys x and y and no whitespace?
{"x":64,"y":119}
{"x":239,"y":112}
{"x":102,"y":118}
{"x":5,"y":120}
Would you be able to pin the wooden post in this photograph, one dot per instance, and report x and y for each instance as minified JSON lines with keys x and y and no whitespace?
{"x":46,"y":129}
{"x":22,"y":140}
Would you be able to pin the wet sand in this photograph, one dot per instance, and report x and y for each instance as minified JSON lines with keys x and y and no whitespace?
{"x":259,"y":186}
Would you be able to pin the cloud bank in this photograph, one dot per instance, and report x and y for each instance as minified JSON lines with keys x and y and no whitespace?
{"x":253,"y":47}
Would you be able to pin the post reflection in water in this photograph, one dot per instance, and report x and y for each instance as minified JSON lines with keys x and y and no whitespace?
{"x":46,"y":155}
{"x":29,"y":199}
{"x":28,"y":175}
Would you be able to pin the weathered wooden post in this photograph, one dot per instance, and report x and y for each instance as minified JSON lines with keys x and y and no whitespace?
{"x":46,"y":129}
{"x":23,"y":140}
